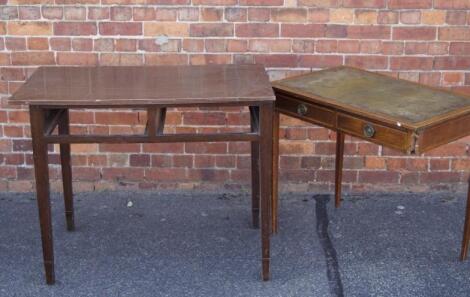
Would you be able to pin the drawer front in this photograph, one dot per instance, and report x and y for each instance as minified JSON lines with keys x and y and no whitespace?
{"x":306,"y":111}
{"x":373,"y":132}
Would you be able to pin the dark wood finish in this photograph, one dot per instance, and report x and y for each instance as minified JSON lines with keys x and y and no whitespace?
{"x":52,"y":91}
{"x":255,"y":178}
{"x":265,"y":172}
{"x":41,"y":170}
{"x":402,"y":115}
{"x":466,"y":229}
{"x":383,"y":135}
{"x":339,"y":166}
{"x":144,"y":85}
{"x":66,"y":165}
{"x":275,"y":172}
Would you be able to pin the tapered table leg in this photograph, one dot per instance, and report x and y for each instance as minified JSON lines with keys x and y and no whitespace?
{"x":66,"y":172}
{"x":41,"y":171}
{"x":255,"y":199}
{"x":339,"y":166}
{"x":266,"y":114}
{"x":275,"y":172}
{"x":255,"y":183}
{"x":466,"y":229}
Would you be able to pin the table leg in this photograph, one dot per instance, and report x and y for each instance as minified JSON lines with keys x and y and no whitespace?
{"x":40,"y":154}
{"x":266,"y":130}
{"x":466,"y":229}
{"x":66,"y":172}
{"x":275,"y":172}
{"x":339,"y":166}
{"x":255,"y":183}
{"x":255,"y":187}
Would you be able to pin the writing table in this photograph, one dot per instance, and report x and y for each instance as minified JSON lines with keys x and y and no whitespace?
{"x":52,"y":91}
{"x":398,"y":114}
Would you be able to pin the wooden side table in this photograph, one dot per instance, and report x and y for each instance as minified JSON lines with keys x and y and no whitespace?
{"x":52,"y":91}
{"x":398,"y":114}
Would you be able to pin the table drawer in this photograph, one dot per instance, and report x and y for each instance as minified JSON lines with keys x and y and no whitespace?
{"x":306,"y":111}
{"x":373,"y":132}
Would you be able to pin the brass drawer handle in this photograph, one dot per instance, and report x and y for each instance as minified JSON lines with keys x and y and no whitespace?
{"x":368,"y":130}
{"x":302,"y":109}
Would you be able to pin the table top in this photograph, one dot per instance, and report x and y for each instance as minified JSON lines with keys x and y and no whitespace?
{"x":376,"y":94}
{"x":144,"y":85}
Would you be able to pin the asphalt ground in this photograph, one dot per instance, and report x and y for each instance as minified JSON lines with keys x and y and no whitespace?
{"x":185,"y":244}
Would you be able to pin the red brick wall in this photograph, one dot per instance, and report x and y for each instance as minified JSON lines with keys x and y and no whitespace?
{"x":426,"y":41}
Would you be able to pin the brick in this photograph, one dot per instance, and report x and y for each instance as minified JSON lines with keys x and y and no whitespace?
{"x":348,"y":46}
{"x":256,"y":30}
{"x":11,"y":74}
{"x":120,"y":28}
{"x":369,"y":32}
{"x":259,"y":14}
{"x":439,"y":177}
{"x":456,"y":17}
{"x":8,"y":13}
{"x":377,"y":177}
{"x":166,"y":14}
{"x":318,"y":3}
{"x":387,"y":17}
{"x":364,"y":3}
{"x":410,"y":63}
{"x":211,"y":14}
{"x":118,"y":59}
{"x":453,"y":62}
{"x":38,"y":43}
{"x":392,"y":48}
{"x":99,"y":13}
{"x":15,"y":43}
{"x":269,"y":45}
{"x":416,"y":48}
{"x":216,"y":45}
{"x":75,"y":13}
{"x":406,"y":4}
{"x":52,"y":12}
{"x":454,"y":33}
{"x":368,"y":62}
{"x":166,"y":59}
{"x":103,"y":44}
{"x":82,"y":44}
{"x":320,"y":61}
{"x":259,"y":2}
{"x":289,"y":15}
{"x":410,"y":17}
{"x":237,"y":45}
{"x":77,"y":59}
{"x":168,"y":2}
{"x":188,"y":14}
{"x":75,"y":28}
{"x":168,"y":29}
{"x":210,"y":59}
{"x":235,"y":14}
{"x":121,"y":13}
{"x":459,"y":48}
{"x":303,"y":46}
{"x":452,"y":4}
{"x":29,"y":28}
{"x":209,"y":29}
{"x":438,"y":48}
{"x":365,"y":17}
{"x":29,"y":13}
{"x":342,"y":15}
{"x":144,"y":13}
{"x":60,"y":44}
{"x":433,"y":17}
{"x":277,"y":60}
{"x":318,"y":15}
{"x":298,"y":30}
{"x":336,"y":31}
{"x":371,"y":46}
{"x":32,"y":58}
{"x":414,"y":33}
{"x":431,"y":79}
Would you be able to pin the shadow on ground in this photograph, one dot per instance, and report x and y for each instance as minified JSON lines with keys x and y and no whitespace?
{"x":203,"y":245}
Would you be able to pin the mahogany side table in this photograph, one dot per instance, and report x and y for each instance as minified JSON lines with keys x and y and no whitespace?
{"x":51,"y":91}
{"x":398,"y":114}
